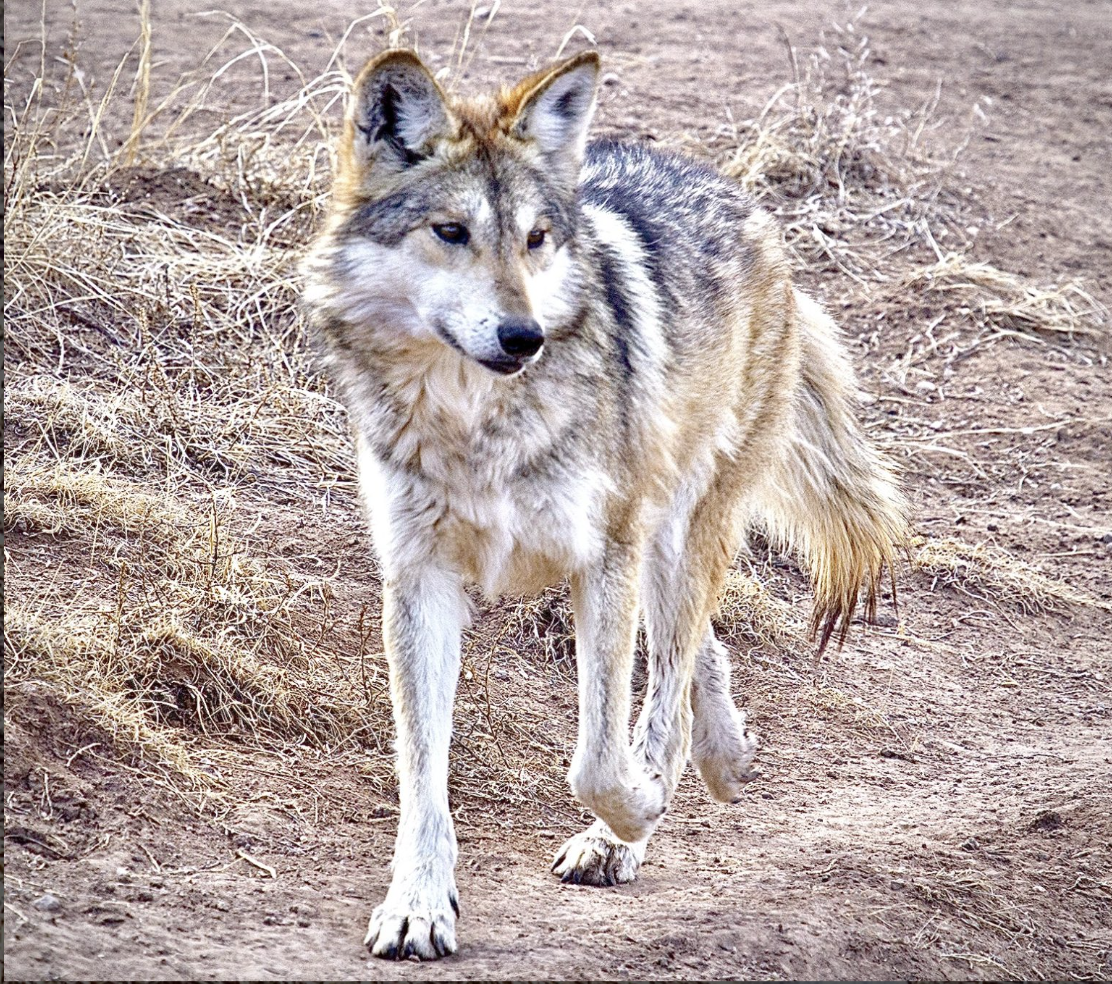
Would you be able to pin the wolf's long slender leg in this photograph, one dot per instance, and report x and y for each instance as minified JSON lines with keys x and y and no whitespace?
{"x":685,"y":564}
{"x":423,"y":617}
{"x":678,"y":585}
{"x":721,"y":747}
{"x":688,"y":704}
{"x":605,"y":776}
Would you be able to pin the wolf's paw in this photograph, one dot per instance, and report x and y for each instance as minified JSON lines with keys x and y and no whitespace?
{"x":412,"y":922}
{"x":723,"y":757}
{"x":597,"y":857}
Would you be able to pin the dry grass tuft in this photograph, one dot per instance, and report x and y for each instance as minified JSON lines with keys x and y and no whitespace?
{"x":853,"y":187}
{"x":1002,"y":301}
{"x":749,"y":607}
{"x":544,"y":625}
{"x":987,"y":573}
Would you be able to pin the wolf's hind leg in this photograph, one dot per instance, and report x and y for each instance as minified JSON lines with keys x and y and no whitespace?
{"x":721,"y":748}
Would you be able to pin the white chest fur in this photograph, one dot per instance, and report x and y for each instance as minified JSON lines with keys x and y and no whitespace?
{"x":476,"y":507}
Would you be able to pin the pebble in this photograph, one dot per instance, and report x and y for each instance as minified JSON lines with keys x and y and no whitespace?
{"x":47,"y":903}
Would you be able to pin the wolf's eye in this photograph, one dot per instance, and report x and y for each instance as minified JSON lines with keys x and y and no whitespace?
{"x":535,"y":239}
{"x":452,"y":232}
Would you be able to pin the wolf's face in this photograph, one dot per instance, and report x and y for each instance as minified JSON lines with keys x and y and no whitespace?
{"x":456,"y":220}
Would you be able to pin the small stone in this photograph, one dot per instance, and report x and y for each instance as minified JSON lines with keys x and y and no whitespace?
{"x":47,"y":903}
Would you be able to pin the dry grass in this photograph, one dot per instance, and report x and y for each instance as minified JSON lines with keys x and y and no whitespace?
{"x":869,"y":194}
{"x":987,"y":573}
{"x":771,"y":622}
{"x":174,"y":636}
{"x":1002,"y":301}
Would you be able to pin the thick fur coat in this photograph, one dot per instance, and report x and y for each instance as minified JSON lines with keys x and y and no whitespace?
{"x":576,"y":360}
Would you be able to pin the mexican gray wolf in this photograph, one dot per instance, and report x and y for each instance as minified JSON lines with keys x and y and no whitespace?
{"x":582,"y":360}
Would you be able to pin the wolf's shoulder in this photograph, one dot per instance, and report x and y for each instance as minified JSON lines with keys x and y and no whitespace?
{"x":646,"y":185}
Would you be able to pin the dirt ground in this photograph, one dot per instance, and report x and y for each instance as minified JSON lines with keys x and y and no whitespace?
{"x":935,"y":800}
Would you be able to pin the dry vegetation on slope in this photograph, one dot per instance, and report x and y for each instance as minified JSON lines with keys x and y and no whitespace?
{"x":185,"y":575}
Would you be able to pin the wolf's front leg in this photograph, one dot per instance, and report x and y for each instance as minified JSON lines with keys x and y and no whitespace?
{"x":423,"y":616}
{"x":605,"y":775}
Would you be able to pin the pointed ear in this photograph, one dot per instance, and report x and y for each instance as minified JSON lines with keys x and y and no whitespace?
{"x":556,"y":109}
{"x":397,"y":112}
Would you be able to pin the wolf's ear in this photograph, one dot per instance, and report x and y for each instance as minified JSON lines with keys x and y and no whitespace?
{"x":397,"y":112}
{"x":556,"y":108}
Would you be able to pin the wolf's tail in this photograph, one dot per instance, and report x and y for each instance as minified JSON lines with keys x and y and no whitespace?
{"x":831,"y":497}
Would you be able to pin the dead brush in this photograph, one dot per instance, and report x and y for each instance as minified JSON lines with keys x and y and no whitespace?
{"x":180,"y":633}
{"x":852,"y":186}
{"x":867,"y":193}
{"x":544,"y":624}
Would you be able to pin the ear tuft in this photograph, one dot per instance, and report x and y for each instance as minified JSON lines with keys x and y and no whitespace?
{"x":556,"y":111}
{"x":397,"y":111}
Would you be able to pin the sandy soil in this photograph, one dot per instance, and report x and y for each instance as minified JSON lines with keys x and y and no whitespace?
{"x":935,"y":800}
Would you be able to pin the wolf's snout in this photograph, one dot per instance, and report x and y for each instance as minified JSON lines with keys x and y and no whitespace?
{"x":520,"y":337}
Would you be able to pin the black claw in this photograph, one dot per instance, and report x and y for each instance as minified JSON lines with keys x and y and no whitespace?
{"x":439,"y":943}
{"x":453,"y":901}
{"x":560,"y":860}
{"x":398,"y":950}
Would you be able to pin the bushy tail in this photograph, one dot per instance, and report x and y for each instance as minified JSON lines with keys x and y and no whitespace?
{"x":831,"y":497}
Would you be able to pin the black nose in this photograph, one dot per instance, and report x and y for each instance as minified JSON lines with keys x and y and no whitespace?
{"x":520,"y":337}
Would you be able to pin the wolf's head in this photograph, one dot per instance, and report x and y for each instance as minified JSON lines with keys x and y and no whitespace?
{"x":455,"y":219}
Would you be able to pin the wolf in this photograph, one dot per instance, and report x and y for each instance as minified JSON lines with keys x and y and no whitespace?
{"x":581,"y":360}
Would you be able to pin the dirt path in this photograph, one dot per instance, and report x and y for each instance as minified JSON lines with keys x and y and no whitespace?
{"x":934,"y":802}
